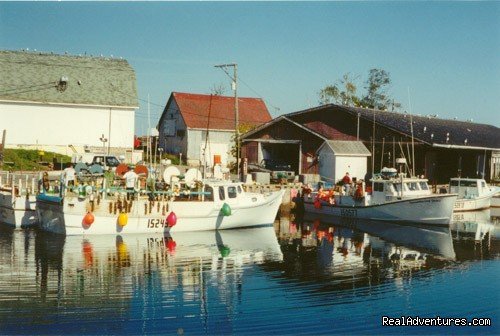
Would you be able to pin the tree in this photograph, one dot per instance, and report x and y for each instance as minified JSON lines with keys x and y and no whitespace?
{"x":376,"y":84}
{"x":218,"y":90}
{"x":344,"y":92}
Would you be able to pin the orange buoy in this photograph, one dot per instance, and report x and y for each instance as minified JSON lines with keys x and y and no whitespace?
{"x":171,"y":219}
{"x":88,"y":219}
{"x":122,"y":219}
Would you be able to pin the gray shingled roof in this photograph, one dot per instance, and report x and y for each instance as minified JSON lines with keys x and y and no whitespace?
{"x":433,"y":130}
{"x":427,"y":129}
{"x":32,"y":76}
{"x":347,"y":147}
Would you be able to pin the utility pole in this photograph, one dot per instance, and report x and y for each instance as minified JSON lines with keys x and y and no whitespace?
{"x":234,"y":79}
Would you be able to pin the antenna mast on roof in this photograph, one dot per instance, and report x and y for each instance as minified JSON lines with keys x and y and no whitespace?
{"x":234,"y":79}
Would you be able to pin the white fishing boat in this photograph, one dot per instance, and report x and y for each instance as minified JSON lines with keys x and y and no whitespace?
{"x":18,"y":199}
{"x":204,"y":205}
{"x":473,"y":193}
{"x":392,"y":198}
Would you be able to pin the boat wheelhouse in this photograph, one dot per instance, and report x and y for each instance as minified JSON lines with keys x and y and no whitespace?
{"x":473,"y":193}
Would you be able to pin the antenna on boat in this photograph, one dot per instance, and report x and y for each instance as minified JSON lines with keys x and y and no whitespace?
{"x":373,"y":145}
{"x":412,"y":170}
{"x":206,"y":137}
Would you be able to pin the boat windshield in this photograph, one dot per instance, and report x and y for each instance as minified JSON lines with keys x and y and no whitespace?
{"x":424,"y":186}
{"x":463,"y":183}
{"x":412,"y":186}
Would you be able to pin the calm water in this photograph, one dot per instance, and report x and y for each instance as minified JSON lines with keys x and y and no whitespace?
{"x":308,"y":277}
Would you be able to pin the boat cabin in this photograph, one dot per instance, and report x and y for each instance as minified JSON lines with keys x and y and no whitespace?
{"x":392,"y":189}
{"x":468,"y":187}
{"x":222,"y":192}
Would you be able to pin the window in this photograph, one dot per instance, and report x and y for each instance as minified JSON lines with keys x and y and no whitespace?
{"x":222,"y":195}
{"x":483,"y":184}
{"x":239,"y":190}
{"x":209,"y":193}
{"x":424,"y":186}
{"x":231,"y":192}
{"x":463,"y":183}
{"x":397,"y":186}
{"x":412,"y":186}
{"x":379,"y":186}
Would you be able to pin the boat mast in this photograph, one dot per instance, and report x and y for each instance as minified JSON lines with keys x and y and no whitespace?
{"x":412,"y":171}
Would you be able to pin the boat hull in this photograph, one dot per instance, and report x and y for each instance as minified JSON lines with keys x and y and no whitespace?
{"x":63,"y":218}
{"x":17,"y":212}
{"x":473,"y":204}
{"x":432,"y":210}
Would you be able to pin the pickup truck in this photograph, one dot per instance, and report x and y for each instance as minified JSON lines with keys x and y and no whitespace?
{"x":279,"y":171}
{"x":91,"y":159}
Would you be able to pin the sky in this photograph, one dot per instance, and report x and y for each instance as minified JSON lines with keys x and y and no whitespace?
{"x":443,"y":57}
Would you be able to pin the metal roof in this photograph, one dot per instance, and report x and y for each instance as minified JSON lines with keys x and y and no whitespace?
{"x":96,"y":81}
{"x":348,"y":148}
{"x":427,"y":129}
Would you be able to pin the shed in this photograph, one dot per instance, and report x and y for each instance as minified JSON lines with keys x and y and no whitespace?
{"x":336,"y":157}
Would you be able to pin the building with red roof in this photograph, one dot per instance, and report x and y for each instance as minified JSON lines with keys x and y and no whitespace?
{"x":201,"y":127}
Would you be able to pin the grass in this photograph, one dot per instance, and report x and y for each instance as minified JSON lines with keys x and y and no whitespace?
{"x":25,"y":159}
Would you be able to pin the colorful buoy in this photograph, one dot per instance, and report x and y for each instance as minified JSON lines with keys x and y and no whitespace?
{"x":171,"y":219}
{"x":122,"y":219}
{"x":226,"y":209}
{"x":88,"y":219}
{"x":171,"y":244}
{"x":224,"y":251}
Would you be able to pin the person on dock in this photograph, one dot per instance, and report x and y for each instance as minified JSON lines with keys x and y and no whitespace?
{"x":346,"y":180}
{"x":130,"y":178}
{"x":69,"y":176}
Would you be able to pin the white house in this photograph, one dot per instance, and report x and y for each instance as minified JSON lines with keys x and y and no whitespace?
{"x":66,"y":103}
{"x":336,"y":157}
{"x":201,"y":127}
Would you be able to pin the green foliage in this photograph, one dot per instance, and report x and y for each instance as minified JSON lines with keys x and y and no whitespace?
{"x":344,"y":91}
{"x":242,"y":129}
{"x":26,"y":159}
{"x":172,"y":157}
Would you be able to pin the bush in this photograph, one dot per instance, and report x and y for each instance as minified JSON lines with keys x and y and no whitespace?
{"x":27,"y":159}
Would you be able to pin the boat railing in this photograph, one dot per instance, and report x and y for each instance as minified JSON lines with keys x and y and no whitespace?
{"x":20,"y":184}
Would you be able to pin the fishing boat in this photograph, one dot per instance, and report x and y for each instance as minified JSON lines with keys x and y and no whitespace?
{"x":18,"y":199}
{"x":473,"y":193}
{"x":193,"y":205}
{"x":393,"y":198}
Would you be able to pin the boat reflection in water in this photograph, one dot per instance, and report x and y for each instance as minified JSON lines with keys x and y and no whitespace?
{"x":106,"y":277}
{"x":266,"y":280}
{"x":363,"y":252}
